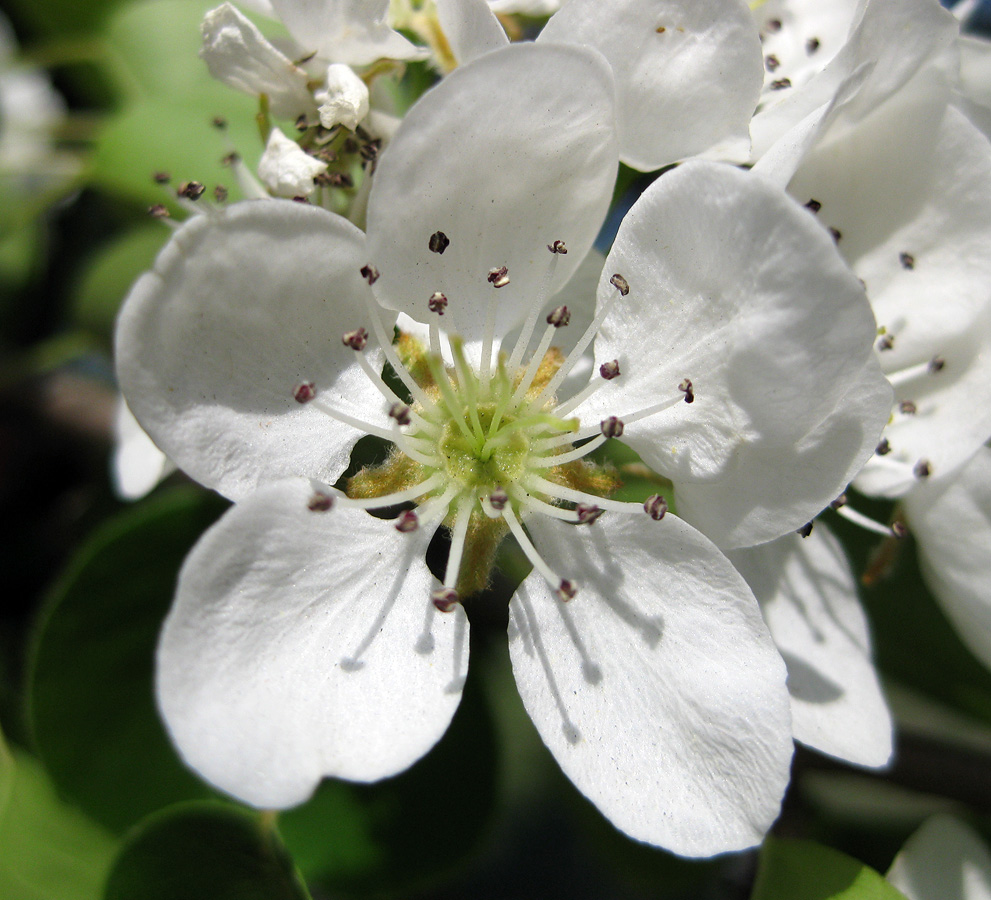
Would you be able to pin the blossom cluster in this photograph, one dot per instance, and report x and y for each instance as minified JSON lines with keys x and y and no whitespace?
{"x":801,"y":301}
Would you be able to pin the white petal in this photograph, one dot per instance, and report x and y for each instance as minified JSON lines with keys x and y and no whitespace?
{"x":344,"y":99}
{"x":899,"y":37}
{"x":688,"y":73}
{"x":470,"y":27}
{"x":241,"y":307}
{"x":975,"y":79}
{"x":657,"y":688}
{"x":504,"y":157}
{"x":138,"y":465}
{"x":736,"y":288}
{"x":943,"y":860}
{"x":951,"y":519}
{"x":346,"y":31}
{"x":775,"y":488}
{"x":238,"y":54}
{"x":304,"y":644}
{"x":915,"y":178}
{"x":286,"y":169}
{"x":527,"y":7}
{"x":808,"y":595}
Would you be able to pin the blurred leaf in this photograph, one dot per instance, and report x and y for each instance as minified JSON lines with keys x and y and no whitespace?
{"x":50,"y":851}
{"x":6,"y":774}
{"x":204,"y":851}
{"x":91,"y":706}
{"x":406,"y":830}
{"x":166,"y":126}
{"x":61,"y":17}
{"x":803,"y":870}
{"x":110,"y":274}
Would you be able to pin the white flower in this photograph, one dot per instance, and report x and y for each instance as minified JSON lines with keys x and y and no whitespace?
{"x":343,"y":99}
{"x":286,"y":169}
{"x":951,"y":518}
{"x":310,"y":639}
{"x":808,"y":596}
{"x":943,"y":860}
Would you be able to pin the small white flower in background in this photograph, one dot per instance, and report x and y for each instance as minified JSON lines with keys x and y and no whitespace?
{"x":944,"y":860}
{"x":733,"y":351}
{"x":808,"y":595}
{"x":951,"y":519}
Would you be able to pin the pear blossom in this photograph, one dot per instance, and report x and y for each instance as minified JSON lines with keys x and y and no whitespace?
{"x":943,"y":860}
{"x":309,"y":638}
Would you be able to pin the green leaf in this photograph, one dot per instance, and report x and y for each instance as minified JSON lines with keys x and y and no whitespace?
{"x":91,"y":706}
{"x":6,"y":774}
{"x":110,"y":274}
{"x":50,"y":851}
{"x":167,"y":123}
{"x":804,"y":870}
{"x":406,"y":830}
{"x":204,"y":851}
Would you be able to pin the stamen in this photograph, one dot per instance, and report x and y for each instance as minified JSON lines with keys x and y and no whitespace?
{"x":356,"y":340}
{"x":566,"y":590}
{"x":934,"y":365}
{"x":923,"y":469}
{"x":557,"y":247}
{"x":445,"y":599}
{"x":369,"y":273}
{"x":498,"y":277}
{"x":438,"y":242}
{"x":559,"y":317}
{"x":401,"y":413}
{"x":407,"y":522}
{"x":656,"y":507}
{"x":458,"y":535}
{"x":395,"y":437}
{"x":609,"y":370}
{"x":437,"y":507}
{"x":523,"y":341}
{"x":864,"y":521}
{"x":907,"y":408}
{"x":467,"y":381}
{"x":394,"y":400}
{"x":531,"y":371}
{"x":304,"y":392}
{"x":437,"y":303}
{"x":587,"y":513}
{"x":449,"y":397}
{"x":686,"y":388}
{"x":396,"y":497}
{"x":805,"y":530}
{"x":320,"y":502}
{"x":550,"y":576}
{"x":560,"y":459}
{"x":534,"y":504}
{"x":540,"y":485}
{"x":612,"y":427}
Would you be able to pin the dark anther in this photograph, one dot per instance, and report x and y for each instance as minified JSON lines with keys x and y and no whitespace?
{"x":936,"y":364}
{"x":884,"y":448}
{"x":566,"y":590}
{"x":559,"y":317}
{"x":498,"y":499}
{"x":811,"y":45}
{"x":899,"y":529}
{"x":300,"y":198}
{"x":886,"y":342}
{"x":191,"y":190}
{"x":656,"y":507}
{"x":620,"y":283}
{"x":838,"y":502}
{"x":437,"y":303}
{"x":588,"y":513}
{"x":161,"y":178}
{"x":779,"y":84}
{"x":771,"y":62}
{"x":401,"y":413}
{"x":356,"y":339}
{"x":220,"y":193}
{"x":320,"y":502}
{"x":335,"y":179}
{"x":813,"y":205}
{"x":660,"y":29}
{"x":609,"y":370}
{"x":908,"y":408}
{"x":370,"y":150}
{"x":159,"y":211}
{"x":686,"y":388}
{"x":923,"y":469}
{"x":445,"y":599}
{"x":407,"y":521}
{"x":369,"y":273}
{"x":805,"y":530}
{"x":220,"y":123}
{"x":773,"y":25}
{"x":836,"y":233}
{"x":304,"y":392}
{"x":612,"y":427}
{"x":907,"y":260}
{"x":557,"y":247}
{"x":438,"y":242}
{"x":498,"y":277}
{"x":230,"y":158}
{"x":302,"y":123}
